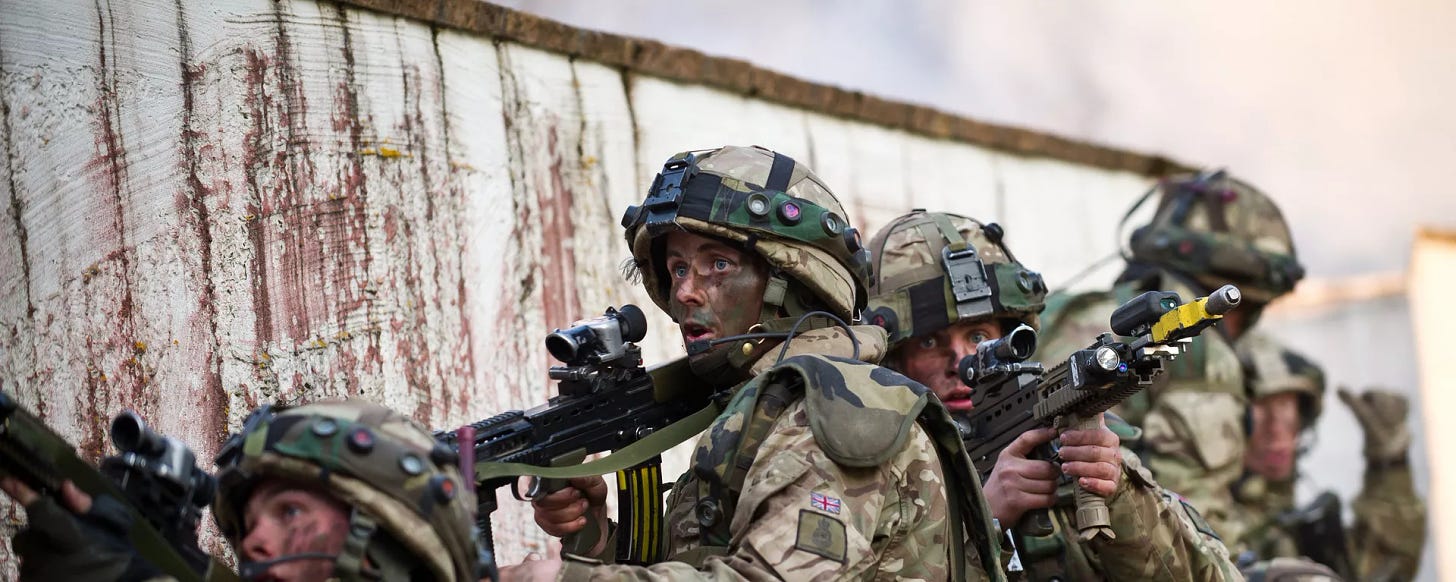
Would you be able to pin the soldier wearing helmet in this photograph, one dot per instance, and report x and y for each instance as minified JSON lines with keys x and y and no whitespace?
{"x":343,"y":490}
{"x":346,"y":490}
{"x":943,"y":283}
{"x":1287,"y":391}
{"x":1208,"y":229}
{"x":822,"y":465}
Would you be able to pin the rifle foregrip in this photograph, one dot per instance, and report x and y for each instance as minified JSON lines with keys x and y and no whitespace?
{"x":1093,"y":517}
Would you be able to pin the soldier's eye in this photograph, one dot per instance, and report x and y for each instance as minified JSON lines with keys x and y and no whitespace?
{"x":979,"y":336}
{"x":721,"y":264}
{"x":679,"y":271}
{"x":927,"y":343}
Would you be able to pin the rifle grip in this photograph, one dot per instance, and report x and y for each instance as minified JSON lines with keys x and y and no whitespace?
{"x":1093,"y":517}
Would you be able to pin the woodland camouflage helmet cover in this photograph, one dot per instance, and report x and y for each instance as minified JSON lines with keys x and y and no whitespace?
{"x":771,"y":205}
{"x":377,"y":461}
{"x":1218,"y":230}
{"x":933,"y":269}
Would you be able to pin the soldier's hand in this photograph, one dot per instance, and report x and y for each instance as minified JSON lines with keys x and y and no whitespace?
{"x":567,"y":511}
{"x":74,"y":537}
{"x":1018,"y":484}
{"x":1382,"y":415}
{"x":1092,"y":456}
{"x":74,"y":499}
{"x":545,"y":570}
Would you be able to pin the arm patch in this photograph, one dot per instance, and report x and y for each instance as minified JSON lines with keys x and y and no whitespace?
{"x":821,"y":535}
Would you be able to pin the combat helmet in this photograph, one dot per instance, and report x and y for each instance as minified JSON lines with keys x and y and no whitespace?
{"x":1271,"y":368}
{"x":933,"y":269}
{"x":771,"y":205}
{"x":1217,"y":229}
{"x":413,"y":514}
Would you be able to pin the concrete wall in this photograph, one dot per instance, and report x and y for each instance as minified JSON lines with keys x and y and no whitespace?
{"x":215,"y":205}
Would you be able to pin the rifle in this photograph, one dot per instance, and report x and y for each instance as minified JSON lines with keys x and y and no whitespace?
{"x":606,"y":401}
{"x":1011,"y":396}
{"x":156,"y":481}
{"x":1319,"y":531}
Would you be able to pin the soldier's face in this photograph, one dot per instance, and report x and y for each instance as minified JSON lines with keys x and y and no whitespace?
{"x":283,"y":518}
{"x":1274,"y":440}
{"x":931,"y":359}
{"x":717,"y":290}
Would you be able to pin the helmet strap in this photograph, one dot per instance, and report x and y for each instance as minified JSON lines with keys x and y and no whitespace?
{"x":775,"y":297}
{"x":351,"y":563}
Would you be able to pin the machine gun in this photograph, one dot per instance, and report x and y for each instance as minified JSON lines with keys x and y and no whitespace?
{"x":606,"y":401}
{"x":155,"y":478}
{"x":1011,"y":396}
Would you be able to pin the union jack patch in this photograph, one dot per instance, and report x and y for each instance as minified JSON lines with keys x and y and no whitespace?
{"x":824,"y":502}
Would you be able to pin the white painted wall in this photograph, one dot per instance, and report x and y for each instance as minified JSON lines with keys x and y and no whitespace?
{"x":215,"y":205}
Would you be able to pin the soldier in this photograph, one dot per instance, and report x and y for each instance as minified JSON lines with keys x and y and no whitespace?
{"x":930,"y":332}
{"x":821,"y":467}
{"x":1287,"y":391}
{"x":1208,"y":230}
{"x":332,"y":490}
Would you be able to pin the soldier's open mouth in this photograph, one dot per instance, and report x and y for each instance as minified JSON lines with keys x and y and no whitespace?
{"x":694,"y":332}
{"x":958,"y":399}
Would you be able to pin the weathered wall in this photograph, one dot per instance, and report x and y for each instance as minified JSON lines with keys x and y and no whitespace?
{"x":215,"y":205}
{"x":1432,"y":276}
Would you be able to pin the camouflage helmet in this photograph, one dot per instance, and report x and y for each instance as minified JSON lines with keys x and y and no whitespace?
{"x":1271,"y":369}
{"x":1217,"y":230}
{"x":770,"y":204}
{"x":933,"y":269}
{"x":389,"y":469}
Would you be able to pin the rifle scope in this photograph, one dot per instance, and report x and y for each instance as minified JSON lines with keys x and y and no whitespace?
{"x":131,"y":435}
{"x":1011,"y":348}
{"x":155,"y":457}
{"x":600,"y":339}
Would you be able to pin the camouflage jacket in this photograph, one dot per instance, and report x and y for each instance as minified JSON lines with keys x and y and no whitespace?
{"x":1389,"y":530}
{"x":1192,"y":419}
{"x":839,"y":486}
{"x":1159,"y":536}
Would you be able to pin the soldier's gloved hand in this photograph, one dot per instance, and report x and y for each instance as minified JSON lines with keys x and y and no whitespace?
{"x":86,"y":540}
{"x":1382,"y":415}
{"x":1093,"y":457}
{"x":566,"y":511}
{"x":1018,"y":484}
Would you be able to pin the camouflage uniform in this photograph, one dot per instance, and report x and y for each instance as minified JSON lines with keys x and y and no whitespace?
{"x":1208,"y":230}
{"x":1389,"y":530}
{"x":1158,"y":535}
{"x":820,"y":467}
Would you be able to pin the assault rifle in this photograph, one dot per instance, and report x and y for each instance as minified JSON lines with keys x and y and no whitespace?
{"x":1319,"y":531}
{"x":155,"y":479}
{"x":606,"y":400}
{"x":1011,"y":396}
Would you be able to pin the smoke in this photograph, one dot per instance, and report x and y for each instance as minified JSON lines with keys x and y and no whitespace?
{"x":1338,"y":110}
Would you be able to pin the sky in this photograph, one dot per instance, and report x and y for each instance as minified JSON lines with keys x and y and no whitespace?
{"x":1337,"y":110}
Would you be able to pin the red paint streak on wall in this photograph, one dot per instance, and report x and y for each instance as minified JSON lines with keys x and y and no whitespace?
{"x":555,"y":200}
{"x":107,"y":169}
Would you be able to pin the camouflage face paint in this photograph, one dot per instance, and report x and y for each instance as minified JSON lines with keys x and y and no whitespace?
{"x":717,"y":289}
{"x":284,"y":519}
{"x":931,"y":359}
